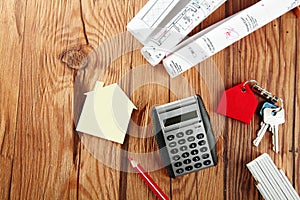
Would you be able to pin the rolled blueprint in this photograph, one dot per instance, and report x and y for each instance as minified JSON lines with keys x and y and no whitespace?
{"x":226,"y":32}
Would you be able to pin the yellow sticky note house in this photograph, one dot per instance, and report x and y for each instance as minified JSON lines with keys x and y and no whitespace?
{"x":106,"y":113}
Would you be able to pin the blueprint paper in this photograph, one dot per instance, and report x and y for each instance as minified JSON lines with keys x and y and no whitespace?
{"x":162,"y":24}
{"x":219,"y":36}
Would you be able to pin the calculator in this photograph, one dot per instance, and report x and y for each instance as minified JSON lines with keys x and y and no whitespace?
{"x":184,"y":135}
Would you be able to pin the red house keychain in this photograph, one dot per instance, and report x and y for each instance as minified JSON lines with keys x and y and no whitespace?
{"x":239,"y":103}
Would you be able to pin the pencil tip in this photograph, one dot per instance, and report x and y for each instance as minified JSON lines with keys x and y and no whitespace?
{"x":132,"y":162}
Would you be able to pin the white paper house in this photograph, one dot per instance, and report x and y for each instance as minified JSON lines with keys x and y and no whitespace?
{"x":106,"y":113}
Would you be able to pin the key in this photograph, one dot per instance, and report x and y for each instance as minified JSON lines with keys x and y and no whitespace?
{"x":260,"y":134}
{"x":264,"y":126}
{"x":274,"y":117}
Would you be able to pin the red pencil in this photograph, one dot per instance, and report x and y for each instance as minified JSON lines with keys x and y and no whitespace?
{"x":149,"y":181}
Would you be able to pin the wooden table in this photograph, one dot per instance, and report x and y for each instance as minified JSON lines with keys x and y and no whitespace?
{"x":43,"y":43}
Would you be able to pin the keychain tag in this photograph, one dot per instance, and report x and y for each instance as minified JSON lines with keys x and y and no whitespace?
{"x":238,"y":103}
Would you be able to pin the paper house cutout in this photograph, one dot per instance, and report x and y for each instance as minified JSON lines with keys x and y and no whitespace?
{"x":106,"y":113}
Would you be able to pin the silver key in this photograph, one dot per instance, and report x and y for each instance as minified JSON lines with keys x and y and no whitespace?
{"x":260,"y":134}
{"x":274,"y":117}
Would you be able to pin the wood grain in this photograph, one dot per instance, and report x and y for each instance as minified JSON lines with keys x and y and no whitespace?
{"x":104,"y":27}
{"x":53,"y":52}
{"x":245,"y":62}
{"x":265,"y":63}
{"x":12,"y":38}
{"x":43,"y":165}
{"x":296,"y":101}
{"x":286,"y":70}
{"x":149,"y":89}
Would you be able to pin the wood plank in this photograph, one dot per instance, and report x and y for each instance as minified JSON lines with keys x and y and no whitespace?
{"x":246,"y":61}
{"x":205,"y":80}
{"x":284,"y":87}
{"x":282,"y":76}
{"x":105,"y":24}
{"x":11,"y":40}
{"x":45,"y":161}
{"x":296,"y":100}
{"x":210,"y":86}
{"x":150,"y":87}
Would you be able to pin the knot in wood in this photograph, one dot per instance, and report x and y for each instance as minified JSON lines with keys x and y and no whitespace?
{"x":74,"y":58}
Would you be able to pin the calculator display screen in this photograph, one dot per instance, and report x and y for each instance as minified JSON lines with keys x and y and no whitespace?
{"x":180,"y":118}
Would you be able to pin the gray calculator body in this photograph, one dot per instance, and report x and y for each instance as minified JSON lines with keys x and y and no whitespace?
{"x":184,"y":135}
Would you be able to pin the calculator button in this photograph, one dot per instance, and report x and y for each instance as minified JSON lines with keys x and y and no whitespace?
{"x":185,"y":155}
{"x":177,"y":157}
{"x":173,"y":151}
{"x":182,"y":141}
{"x":193,"y":145}
{"x":200,"y":136}
{"x":187,"y":161}
{"x":180,"y":135}
{"x":202,"y":142}
{"x":183,"y":148}
{"x":178,"y":164}
{"x":189,"y":168}
{"x":207,"y":162}
{"x":196,"y":159}
{"x":191,"y":139}
{"x":179,"y":171}
{"x":194,"y":152}
{"x":203,"y":149}
{"x":189,"y":132}
{"x":171,"y":137}
{"x":198,"y":165}
{"x":198,"y":125}
{"x":172,"y":144}
{"x":205,"y":156}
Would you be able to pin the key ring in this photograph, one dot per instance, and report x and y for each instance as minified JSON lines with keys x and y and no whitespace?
{"x":247,"y":83}
{"x":261,"y":91}
{"x":281,"y":104}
